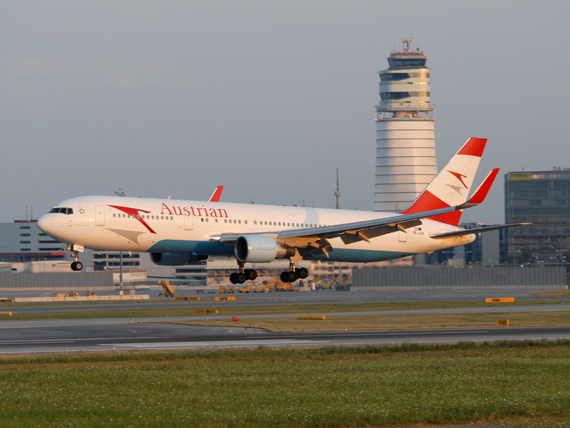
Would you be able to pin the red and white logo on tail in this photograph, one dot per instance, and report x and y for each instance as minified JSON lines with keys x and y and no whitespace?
{"x":452,"y":185}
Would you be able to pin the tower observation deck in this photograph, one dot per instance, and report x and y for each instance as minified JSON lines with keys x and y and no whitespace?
{"x":405,"y":136}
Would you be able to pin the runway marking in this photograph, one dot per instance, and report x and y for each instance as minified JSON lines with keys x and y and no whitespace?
{"x":4,"y":342}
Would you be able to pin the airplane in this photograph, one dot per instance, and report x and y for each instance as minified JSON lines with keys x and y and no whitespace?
{"x":177,"y":232}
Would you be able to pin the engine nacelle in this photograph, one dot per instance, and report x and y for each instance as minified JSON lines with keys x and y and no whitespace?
{"x":174,"y":259}
{"x":258,"y":249}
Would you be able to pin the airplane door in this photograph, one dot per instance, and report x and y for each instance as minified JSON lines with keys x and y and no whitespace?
{"x":188,"y":222}
{"x":100,"y":216}
{"x":402,"y":236}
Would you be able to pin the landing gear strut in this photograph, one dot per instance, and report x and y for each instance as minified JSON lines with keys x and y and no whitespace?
{"x":76,"y":265}
{"x":243,"y":275}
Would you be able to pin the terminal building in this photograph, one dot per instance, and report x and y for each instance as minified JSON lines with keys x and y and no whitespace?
{"x":405,"y":136}
{"x":543,"y":199}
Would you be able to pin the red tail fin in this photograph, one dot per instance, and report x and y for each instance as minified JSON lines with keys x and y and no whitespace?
{"x":451,"y":186}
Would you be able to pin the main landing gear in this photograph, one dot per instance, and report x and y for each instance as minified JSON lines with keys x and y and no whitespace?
{"x":293,"y":273}
{"x":76,"y":265}
{"x":243,"y":275}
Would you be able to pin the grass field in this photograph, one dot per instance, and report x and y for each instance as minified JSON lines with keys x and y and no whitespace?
{"x":395,"y":322}
{"x":139,"y":310}
{"x":521,"y":383}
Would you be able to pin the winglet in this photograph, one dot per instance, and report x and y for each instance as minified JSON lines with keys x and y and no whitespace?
{"x":481,"y":192}
{"x":217,"y":194}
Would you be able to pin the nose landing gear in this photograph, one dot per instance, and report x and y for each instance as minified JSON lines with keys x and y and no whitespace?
{"x":76,"y":265}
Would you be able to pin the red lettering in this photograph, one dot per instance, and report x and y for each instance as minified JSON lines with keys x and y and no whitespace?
{"x":179,"y":210}
{"x":193,"y":213}
{"x":186,"y":211}
{"x":164,"y":206}
{"x":213,"y":212}
{"x":205,"y":211}
{"x":222,"y":212}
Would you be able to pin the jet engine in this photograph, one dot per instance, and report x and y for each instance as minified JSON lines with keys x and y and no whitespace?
{"x":174,"y":259}
{"x":259,"y":249}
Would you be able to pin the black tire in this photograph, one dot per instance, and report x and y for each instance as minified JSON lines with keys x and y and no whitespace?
{"x":234,"y":278}
{"x":250,"y":274}
{"x":302,"y":273}
{"x":79,"y":265}
{"x":241,"y":278}
{"x":288,"y":276}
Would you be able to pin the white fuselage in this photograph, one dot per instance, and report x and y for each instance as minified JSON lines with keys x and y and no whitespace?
{"x":190,"y":227}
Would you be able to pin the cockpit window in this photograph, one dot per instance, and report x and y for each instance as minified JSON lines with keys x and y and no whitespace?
{"x":66,"y":211}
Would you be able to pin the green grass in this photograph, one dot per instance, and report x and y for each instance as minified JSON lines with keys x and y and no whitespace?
{"x":139,"y":310}
{"x":328,"y":387}
{"x":395,"y":322}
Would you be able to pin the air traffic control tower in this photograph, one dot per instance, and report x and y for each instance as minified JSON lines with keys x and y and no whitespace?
{"x":405,"y":138}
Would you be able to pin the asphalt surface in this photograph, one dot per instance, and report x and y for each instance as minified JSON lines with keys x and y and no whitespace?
{"x":99,"y":335}
{"x":152,"y":333}
{"x":270,"y":299}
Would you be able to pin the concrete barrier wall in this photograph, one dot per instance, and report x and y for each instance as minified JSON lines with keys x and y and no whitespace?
{"x":435,"y":277}
{"x":57,"y":280}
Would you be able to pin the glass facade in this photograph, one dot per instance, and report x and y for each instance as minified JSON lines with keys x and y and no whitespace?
{"x":543,"y":199}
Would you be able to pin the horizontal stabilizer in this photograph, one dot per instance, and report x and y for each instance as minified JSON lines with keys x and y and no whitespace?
{"x":477,"y":230}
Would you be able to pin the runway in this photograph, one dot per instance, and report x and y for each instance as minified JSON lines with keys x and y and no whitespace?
{"x":119,"y":334}
{"x":300,"y":298}
{"x":152,"y":333}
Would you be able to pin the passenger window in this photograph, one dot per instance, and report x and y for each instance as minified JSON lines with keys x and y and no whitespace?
{"x":239,"y":221}
{"x":245,"y":221}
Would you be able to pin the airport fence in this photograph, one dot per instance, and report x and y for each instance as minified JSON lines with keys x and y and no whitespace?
{"x":459,"y":277}
{"x":25,"y":281}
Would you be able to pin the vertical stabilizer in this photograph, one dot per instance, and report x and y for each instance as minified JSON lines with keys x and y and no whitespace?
{"x":452,"y":185}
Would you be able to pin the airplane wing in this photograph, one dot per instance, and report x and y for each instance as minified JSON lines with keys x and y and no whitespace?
{"x":313,"y":241}
{"x":477,"y":230}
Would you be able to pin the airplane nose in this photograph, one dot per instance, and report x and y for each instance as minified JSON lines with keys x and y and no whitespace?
{"x":44,"y":223}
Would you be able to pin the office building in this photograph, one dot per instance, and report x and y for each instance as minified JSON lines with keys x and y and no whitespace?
{"x":543,"y":199}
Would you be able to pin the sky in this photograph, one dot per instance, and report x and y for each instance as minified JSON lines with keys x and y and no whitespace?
{"x":268,"y":98}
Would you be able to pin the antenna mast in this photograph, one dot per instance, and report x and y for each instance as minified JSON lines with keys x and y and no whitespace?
{"x":337,"y":193}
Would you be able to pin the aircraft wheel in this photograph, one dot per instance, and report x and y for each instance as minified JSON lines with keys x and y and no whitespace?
{"x":234,"y":278}
{"x":302,"y":273}
{"x":241,"y":278}
{"x":76,"y":266}
{"x":250,"y":274}
{"x":288,"y":276}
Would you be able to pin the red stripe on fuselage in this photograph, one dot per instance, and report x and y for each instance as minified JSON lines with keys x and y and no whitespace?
{"x":134,"y":212}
